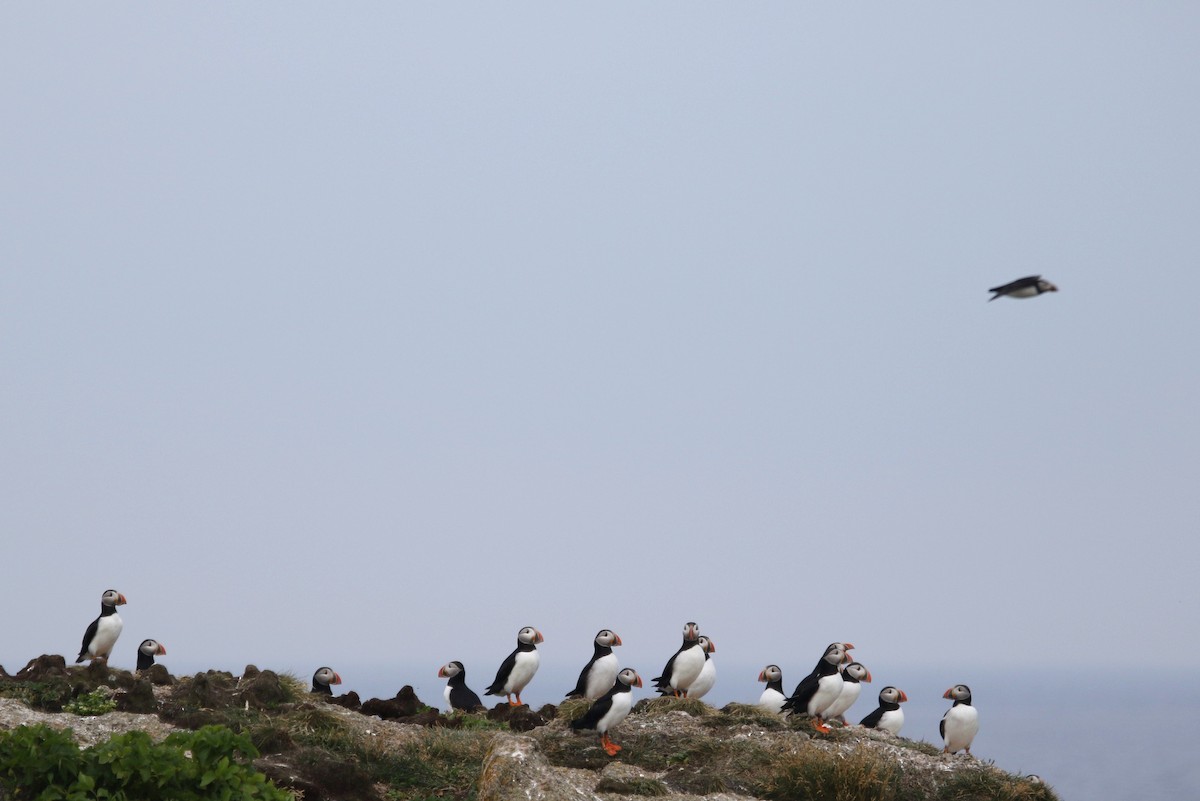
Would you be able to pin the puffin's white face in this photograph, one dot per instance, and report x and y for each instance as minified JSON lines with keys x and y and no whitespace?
{"x":112,"y":598}
{"x":530,"y":636}
{"x":691,"y":632}
{"x":959,"y":692}
{"x":770,"y":673}
{"x":607,"y":638}
{"x":892,"y":695}
{"x":326,"y":676}
{"x":835,"y":654}
{"x":708,"y":645}
{"x":859,"y":671}
{"x":630,"y":678}
{"x":450,"y":670}
{"x":152,"y":648}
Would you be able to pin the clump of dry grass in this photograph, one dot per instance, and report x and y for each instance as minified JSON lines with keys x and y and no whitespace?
{"x":652,"y":707}
{"x":819,"y":775}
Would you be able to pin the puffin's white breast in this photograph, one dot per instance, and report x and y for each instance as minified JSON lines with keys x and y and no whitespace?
{"x":891,"y":720}
{"x":845,"y":699}
{"x":621,"y":704}
{"x":771,"y":701}
{"x":828,"y":689}
{"x":686,"y":668}
{"x":962,"y":724}
{"x":446,"y":695}
{"x":522,"y":673}
{"x":602,"y":676}
{"x":705,"y":681}
{"x":107,"y":630}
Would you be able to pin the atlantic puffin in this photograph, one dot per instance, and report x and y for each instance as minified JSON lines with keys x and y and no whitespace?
{"x":517,"y":670}
{"x":102,"y":634}
{"x":888,"y":716}
{"x":820,"y":688}
{"x":600,"y":672}
{"x":458,"y":695}
{"x":324,"y":677}
{"x":772,"y":697}
{"x":852,"y":676}
{"x":708,"y":674}
{"x":960,"y":724}
{"x":1028,"y":287}
{"x":684,"y":666}
{"x":610,"y":709}
{"x":146,"y":653}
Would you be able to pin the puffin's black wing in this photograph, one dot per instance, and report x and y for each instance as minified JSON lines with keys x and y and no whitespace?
{"x":664,"y":681}
{"x":87,"y":638}
{"x":581,"y":686}
{"x":595,"y":712}
{"x":942,"y":726}
{"x":464,"y":698}
{"x":1013,"y":286}
{"x":805,"y":690}
{"x":871,"y":721}
{"x":506,"y":667}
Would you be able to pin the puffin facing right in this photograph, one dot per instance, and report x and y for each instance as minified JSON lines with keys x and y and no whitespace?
{"x":102,"y":634}
{"x":611,"y":709}
{"x":598,"y":675}
{"x":960,"y":724}
{"x":517,"y":670}
{"x":888,"y":716}
{"x":684,"y":666}
{"x":324,"y":677}
{"x":820,"y":688}
{"x":1028,"y":287}
{"x":146,"y":653}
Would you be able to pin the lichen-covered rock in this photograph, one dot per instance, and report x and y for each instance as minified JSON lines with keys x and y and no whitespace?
{"x":138,"y":698}
{"x":516,"y":770}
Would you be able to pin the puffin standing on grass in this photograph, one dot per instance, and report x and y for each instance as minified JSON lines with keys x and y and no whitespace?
{"x":960,"y":724}
{"x":458,"y":695}
{"x":708,"y":674}
{"x":888,"y":716}
{"x":146,"y":653}
{"x":772,"y":697}
{"x":324,"y":677}
{"x":820,"y":688}
{"x":598,"y":675}
{"x":852,"y":676}
{"x":1028,"y":287}
{"x":102,"y":634}
{"x":517,"y":670}
{"x":611,"y":709}
{"x":684,"y":667}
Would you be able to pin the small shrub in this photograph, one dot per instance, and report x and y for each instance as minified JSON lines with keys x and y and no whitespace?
{"x":817,"y":775}
{"x":97,"y":702}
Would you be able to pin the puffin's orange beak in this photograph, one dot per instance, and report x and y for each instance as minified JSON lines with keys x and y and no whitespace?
{"x":867,"y":678}
{"x":849,"y":646}
{"x":638,"y":683}
{"x":120,"y":599}
{"x":947,"y":693}
{"x":539,"y":637}
{"x":712,"y":647}
{"x":903,"y":696}
{"x":762,"y":675}
{"x":336,"y":679}
{"x":616,"y":638}
{"x":162,"y":649}
{"x":442,"y":672}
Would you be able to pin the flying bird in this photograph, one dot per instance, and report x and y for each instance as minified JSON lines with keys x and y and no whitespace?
{"x":1028,"y":287}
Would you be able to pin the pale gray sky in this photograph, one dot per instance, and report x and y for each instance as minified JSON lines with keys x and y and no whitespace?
{"x":365,"y":335}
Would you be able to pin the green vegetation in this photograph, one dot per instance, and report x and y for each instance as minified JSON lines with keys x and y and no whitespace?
{"x":43,"y":763}
{"x":97,"y":702}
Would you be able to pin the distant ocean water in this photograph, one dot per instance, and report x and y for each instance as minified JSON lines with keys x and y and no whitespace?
{"x":1092,"y":735}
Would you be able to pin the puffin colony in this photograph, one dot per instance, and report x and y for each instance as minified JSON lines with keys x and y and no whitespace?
{"x":824,"y":695}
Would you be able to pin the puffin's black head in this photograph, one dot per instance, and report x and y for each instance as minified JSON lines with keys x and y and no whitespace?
{"x":323,"y":678}
{"x":147,"y":651}
{"x":892,"y":695}
{"x":630,"y":678}
{"x":960,"y":693}
{"x":770,"y":673}
{"x":607,"y":638}
{"x":859,"y":671}
{"x":530,"y":636}
{"x":691,"y":632}
{"x":451,"y":669}
{"x":112,"y":598}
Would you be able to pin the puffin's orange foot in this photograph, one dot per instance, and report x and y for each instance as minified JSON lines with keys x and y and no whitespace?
{"x":612,"y":748}
{"x":820,"y":726}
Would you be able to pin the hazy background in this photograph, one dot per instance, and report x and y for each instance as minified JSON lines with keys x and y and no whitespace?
{"x":365,"y":335}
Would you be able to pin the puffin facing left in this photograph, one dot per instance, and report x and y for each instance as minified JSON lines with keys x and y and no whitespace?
{"x":517,"y":670}
{"x":324,"y":677}
{"x":101,"y":636}
{"x":611,"y":709}
{"x":146,"y":653}
{"x":458,"y":695}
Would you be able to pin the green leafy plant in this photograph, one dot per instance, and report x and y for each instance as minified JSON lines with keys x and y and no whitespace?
{"x":97,"y":702}
{"x":212,"y":763}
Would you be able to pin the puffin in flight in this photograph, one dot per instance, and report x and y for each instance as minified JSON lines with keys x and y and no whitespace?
{"x":458,"y":695}
{"x":1028,"y":287}
{"x":684,"y":666}
{"x":517,"y":670}
{"x":772,"y":697}
{"x":600,"y":672}
{"x":888,"y":716}
{"x":102,"y":634}
{"x":611,"y":709}
{"x":324,"y":677}
{"x":819,"y":689}
{"x":960,"y":724}
{"x":146,"y":653}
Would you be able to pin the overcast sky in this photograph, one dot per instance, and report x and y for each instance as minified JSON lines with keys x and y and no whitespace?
{"x":365,"y":335}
